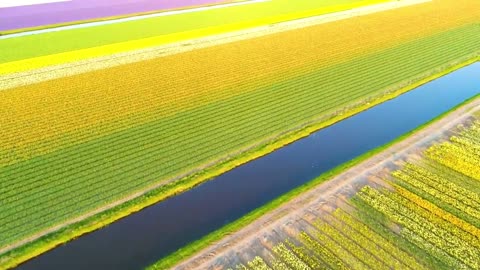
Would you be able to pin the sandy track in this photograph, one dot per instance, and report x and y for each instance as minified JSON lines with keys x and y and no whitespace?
{"x":58,"y":71}
{"x":341,"y":185}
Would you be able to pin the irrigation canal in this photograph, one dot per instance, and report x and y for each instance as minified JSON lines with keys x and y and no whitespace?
{"x":142,"y":238}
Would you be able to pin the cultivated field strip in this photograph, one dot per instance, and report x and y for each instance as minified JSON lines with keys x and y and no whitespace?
{"x":421,"y":213}
{"x":66,"y":183}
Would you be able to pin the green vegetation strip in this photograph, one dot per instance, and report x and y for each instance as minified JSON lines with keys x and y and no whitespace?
{"x":210,"y":239}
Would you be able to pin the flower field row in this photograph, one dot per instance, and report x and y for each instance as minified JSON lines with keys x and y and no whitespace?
{"x":460,"y":154}
{"x":428,"y":218}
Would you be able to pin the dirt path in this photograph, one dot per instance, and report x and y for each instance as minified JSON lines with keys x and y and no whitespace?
{"x":10,"y":81}
{"x":355,"y":176}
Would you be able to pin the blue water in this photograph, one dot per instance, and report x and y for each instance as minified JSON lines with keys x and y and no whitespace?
{"x":142,"y":238}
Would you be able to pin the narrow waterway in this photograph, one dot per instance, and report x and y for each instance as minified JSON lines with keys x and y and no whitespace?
{"x":142,"y":238}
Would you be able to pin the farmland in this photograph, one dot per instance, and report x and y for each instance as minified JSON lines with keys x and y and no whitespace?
{"x":147,"y":155}
{"x":80,"y":148}
{"x":414,"y":211}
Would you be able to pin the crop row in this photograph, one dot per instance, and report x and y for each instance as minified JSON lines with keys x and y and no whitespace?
{"x":414,"y":228}
{"x":463,"y":194}
{"x":387,"y":250}
{"x":368,"y":249}
{"x":436,"y":215}
{"x":437,"y":192}
{"x":458,"y":158}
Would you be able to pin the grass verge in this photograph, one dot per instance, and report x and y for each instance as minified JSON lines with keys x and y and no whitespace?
{"x":50,"y":241}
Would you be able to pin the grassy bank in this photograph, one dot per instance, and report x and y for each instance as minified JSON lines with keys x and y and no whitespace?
{"x":95,"y":222}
